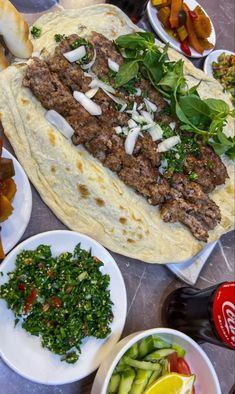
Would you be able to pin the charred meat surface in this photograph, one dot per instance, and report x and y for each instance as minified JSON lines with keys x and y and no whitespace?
{"x":53,"y":82}
{"x":209,"y":168}
{"x":191,"y":206}
{"x":105,"y":49}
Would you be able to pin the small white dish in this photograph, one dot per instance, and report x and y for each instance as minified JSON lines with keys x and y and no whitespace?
{"x":206,"y":378}
{"x":157,"y":26}
{"x":23,"y":352}
{"x":14,"y":227}
{"x":213,"y":57}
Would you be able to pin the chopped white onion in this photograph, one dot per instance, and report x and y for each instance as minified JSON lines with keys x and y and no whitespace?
{"x":92,"y":92}
{"x":147,"y":116}
{"x":168,"y":144}
{"x":116,"y":99}
{"x":35,"y":54}
{"x":90,"y":74}
{"x":138,"y":92}
{"x":113,"y":65}
{"x":131,"y":139}
{"x":163,"y":166}
{"x":90,"y":64}
{"x":123,"y":108}
{"x":133,"y":113}
{"x":88,"y":104}
{"x":150,"y":106}
{"x":59,"y":122}
{"x":132,"y":123}
{"x":141,"y":106}
{"x":75,"y":54}
{"x":147,"y":126}
{"x":134,"y":106}
{"x":156,"y":132}
{"x":96,"y":83}
{"x":138,"y":118}
{"x":118,"y":129}
{"x":172,"y":125}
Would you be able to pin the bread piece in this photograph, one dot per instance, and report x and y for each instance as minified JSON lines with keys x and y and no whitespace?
{"x":3,"y":60}
{"x":15,"y":30}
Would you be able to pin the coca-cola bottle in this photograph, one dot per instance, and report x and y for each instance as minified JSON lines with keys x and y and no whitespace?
{"x":205,"y":315}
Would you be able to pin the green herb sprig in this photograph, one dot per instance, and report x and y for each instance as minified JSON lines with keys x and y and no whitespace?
{"x":205,"y":118}
{"x":59,"y":37}
{"x":36,"y":31}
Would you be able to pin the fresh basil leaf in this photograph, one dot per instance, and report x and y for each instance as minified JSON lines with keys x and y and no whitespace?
{"x":231,"y":153}
{"x":126,"y":72}
{"x":219,"y":149}
{"x":197,"y":111}
{"x":131,"y":41}
{"x":154,"y":70}
{"x":130,"y":53}
{"x":218,"y":106}
{"x":193,"y":90}
{"x":223,"y":139}
{"x":176,"y":109}
{"x":147,"y":36}
{"x":169,"y":80}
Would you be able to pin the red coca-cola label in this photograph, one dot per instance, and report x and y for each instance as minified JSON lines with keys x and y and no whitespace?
{"x":224,"y":313}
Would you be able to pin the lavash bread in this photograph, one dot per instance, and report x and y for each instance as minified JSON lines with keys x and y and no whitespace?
{"x":3,"y":60}
{"x":14,"y":30}
{"x":82,"y":193}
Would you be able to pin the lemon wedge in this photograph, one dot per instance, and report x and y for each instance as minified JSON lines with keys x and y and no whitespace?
{"x":172,"y":383}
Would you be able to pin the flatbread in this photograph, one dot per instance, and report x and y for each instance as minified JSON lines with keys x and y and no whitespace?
{"x":83,"y":194}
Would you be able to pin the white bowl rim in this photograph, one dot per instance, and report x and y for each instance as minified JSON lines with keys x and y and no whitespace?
{"x":161,"y":331}
{"x":207,"y":62}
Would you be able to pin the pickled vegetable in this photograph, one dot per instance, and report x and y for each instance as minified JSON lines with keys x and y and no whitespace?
{"x":201,"y":24}
{"x":182,"y":33}
{"x":192,"y":37}
{"x":6,"y":169}
{"x":164,"y":15}
{"x":6,"y":208}
{"x":176,"y":6}
{"x":8,"y":188}
{"x":182,"y":17}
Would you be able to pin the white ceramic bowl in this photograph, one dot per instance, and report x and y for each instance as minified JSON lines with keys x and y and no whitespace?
{"x":213,"y":57}
{"x":24,"y":353}
{"x":206,"y":378}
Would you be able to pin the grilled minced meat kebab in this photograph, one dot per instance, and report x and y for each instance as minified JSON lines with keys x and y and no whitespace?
{"x":180,"y":190}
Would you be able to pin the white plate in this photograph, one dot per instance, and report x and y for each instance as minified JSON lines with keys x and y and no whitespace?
{"x":213,"y":58}
{"x":23,"y":352}
{"x":14,"y":227}
{"x":157,"y":26}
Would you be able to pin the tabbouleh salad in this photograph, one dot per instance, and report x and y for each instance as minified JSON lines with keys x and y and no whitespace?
{"x":61,"y":299}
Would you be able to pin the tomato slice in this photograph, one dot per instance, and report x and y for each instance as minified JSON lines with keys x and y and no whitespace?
{"x":172,"y":358}
{"x":183,"y":368}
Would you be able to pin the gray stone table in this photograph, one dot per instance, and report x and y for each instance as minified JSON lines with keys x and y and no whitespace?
{"x":147,"y":285}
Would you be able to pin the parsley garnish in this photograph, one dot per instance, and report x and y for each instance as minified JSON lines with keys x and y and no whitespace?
{"x":59,"y":37}
{"x":193,"y":176}
{"x":36,"y":31}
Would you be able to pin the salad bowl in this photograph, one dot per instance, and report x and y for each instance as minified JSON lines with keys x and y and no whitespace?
{"x":206,"y":379}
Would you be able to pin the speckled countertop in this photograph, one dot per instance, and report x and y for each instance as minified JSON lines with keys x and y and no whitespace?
{"x":147,"y":285}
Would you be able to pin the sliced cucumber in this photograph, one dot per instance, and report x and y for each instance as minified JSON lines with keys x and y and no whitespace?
{"x":158,"y":354}
{"x":114,"y":384}
{"x":141,"y":381}
{"x":127,"y":378}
